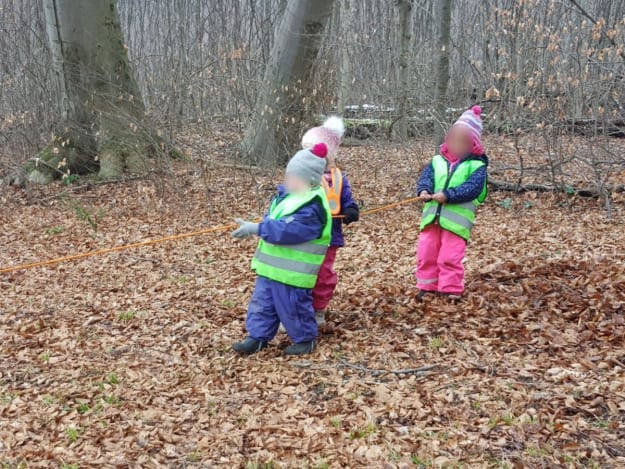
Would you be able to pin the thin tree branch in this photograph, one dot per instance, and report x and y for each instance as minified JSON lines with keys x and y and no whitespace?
{"x":420,"y":371}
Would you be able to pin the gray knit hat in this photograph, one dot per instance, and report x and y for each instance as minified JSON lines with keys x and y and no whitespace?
{"x":309,"y":164}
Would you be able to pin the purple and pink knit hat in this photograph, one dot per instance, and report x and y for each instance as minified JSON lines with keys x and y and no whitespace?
{"x":471,"y":120}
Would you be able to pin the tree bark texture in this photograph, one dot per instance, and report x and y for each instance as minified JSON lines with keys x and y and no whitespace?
{"x":442,"y":71}
{"x":284,"y":99}
{"x":103,"y":116}
{"x":345,"y":59}
{"x":405,"y":34}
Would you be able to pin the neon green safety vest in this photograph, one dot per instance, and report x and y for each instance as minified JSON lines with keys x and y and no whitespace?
{"x":457,"y":218}
{"x":296,"y":265}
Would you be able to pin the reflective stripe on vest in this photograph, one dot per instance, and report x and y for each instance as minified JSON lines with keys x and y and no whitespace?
{"x":457,"y":218}
{"x":333,"y":193}
{"x":296,"y":265}
{"x":465,"y":221}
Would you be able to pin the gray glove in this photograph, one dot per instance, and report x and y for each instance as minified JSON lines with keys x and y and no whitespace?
{"x":245,"y":229}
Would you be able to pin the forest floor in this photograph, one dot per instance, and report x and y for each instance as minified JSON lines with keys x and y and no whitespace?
{"x":124,"y":360}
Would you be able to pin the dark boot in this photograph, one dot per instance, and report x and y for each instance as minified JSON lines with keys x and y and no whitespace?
{"x":320,"y":317}
{"x":249,"y":346}
{"x":451,"y":297}
{"x":300,"y":349}
{"x":423,"y":294}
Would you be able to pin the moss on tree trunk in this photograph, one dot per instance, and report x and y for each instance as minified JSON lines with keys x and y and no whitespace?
{"x":98,"y":96}
{"x":64,"y":155}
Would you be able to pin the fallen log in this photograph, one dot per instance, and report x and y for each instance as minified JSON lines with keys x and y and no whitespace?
{"x":591,"y":127}
{"x":592,"y":191}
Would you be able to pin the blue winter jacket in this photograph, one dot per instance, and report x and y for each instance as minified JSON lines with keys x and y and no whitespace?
{"x":347,"y":202}
{"x":302,"y":226}
{"x":466,"y":192}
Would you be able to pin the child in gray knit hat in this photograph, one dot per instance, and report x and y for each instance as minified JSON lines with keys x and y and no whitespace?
{"x":294,"y":237}
{"x":306,"y":169}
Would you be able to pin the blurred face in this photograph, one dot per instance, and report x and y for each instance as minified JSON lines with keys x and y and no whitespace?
{"x":459,"y":141}
{"x":296,"y":185}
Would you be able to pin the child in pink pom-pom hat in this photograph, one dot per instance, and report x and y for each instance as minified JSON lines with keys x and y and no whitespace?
{"x":453,"y":186}
{"x":342,"y":204}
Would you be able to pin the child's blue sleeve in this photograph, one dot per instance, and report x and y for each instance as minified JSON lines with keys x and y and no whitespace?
{"x":347,"y":199}
{"x":304,"y":225}
{"x":426,"y":180}
{"x":468,"y":191}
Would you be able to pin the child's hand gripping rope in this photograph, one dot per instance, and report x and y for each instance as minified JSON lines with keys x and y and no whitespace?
{"x":245,"y":229}
{"x":351,"y":215}
{"x":438,"y":197}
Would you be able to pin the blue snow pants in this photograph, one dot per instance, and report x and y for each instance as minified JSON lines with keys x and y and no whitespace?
{"x":273,"y":303}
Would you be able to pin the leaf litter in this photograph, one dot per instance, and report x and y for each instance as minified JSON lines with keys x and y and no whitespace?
{"x":125,"y":360}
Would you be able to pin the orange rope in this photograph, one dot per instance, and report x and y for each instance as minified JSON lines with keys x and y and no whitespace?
{"x":150,"y":242}
{"x":390,"y":206}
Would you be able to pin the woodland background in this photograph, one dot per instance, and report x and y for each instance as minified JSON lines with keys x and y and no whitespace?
{"x":546,"y":67}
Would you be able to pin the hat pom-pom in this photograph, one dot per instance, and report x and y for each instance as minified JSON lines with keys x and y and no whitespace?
{"x":477,"y":110}
{"x":335,"y":125}
{"x":320,"y":150}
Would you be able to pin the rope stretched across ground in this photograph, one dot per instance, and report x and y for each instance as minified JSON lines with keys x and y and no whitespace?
{"x":150,"y":242}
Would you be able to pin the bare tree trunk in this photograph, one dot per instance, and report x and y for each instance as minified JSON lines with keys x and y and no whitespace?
{"x":442,"y":71}
{"x":284,"y":98}
{"x":103,"y":113}
{"x":405,"y":34}
{"x":56,"y":49}
{"x":346,"y":75}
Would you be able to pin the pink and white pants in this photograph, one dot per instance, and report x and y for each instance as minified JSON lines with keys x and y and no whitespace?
{"x":439,"y":261}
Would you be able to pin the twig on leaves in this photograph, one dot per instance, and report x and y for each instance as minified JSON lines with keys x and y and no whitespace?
{"x":611,"y":450}
{"x":420,"y":371}
{"x":136,"y":259}
{"x":308,"y":364}
{"x":619,"y":363}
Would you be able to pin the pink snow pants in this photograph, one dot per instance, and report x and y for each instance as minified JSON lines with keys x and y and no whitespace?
{"x":326,"y":281}
{"x":439,"y":261}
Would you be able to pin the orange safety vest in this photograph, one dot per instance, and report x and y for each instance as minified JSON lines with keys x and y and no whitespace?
{"x":333,"y":193}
